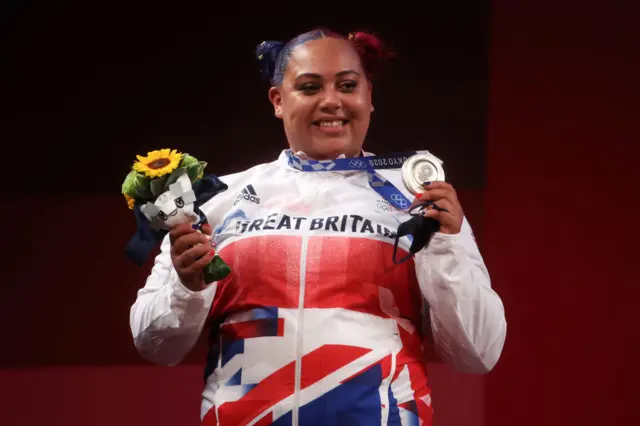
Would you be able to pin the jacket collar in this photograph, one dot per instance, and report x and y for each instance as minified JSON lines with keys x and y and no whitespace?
{"x":283,"y":158}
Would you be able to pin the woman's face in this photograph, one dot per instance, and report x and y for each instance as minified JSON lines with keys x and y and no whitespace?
{"x":324,"y":99}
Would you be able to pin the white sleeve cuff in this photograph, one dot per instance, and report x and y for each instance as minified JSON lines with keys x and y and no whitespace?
{"x":190,"y":307}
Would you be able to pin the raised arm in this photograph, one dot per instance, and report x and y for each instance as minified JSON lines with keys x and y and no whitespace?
{"x":169,"y":312}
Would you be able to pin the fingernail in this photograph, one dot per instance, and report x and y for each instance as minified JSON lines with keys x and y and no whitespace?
{"x":426,"y":183}
{"x":212,"y":252}
{"x":419,"y":195}
{"x":195,"y":226}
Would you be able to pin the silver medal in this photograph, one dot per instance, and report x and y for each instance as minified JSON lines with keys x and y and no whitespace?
{"x":421,"y":168}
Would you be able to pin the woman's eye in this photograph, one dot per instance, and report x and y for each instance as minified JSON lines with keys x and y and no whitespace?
{"x":348,"y":86}
{"x":310,"y":88}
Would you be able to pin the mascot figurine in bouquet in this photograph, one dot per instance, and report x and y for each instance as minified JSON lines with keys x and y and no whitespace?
{"x":165,"y":189}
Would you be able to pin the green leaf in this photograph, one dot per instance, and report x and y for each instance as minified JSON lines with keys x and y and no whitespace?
{"x":141,"y":187}
{"x":174,"y":177}
{"x":157,"y":185}
{"x":193,"y":171}
{"x":127,"y":185}
{"x":188,"y":160}
{"x":215,"y":270}
{"x":201,"y":166}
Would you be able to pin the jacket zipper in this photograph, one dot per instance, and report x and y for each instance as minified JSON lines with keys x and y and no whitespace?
{"x":300,"y":330}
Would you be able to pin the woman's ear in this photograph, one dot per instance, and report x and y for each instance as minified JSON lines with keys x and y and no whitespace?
{"x":276,"y":100}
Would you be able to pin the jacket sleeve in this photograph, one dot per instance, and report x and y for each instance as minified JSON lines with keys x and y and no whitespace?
{"x":466,"y":315}
{"x":166,"y":318}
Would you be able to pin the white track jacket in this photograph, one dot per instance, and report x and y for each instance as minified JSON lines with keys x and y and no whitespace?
{"x":316,"y":325}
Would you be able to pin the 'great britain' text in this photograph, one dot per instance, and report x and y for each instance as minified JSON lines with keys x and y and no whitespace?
{"x":344,"y":223}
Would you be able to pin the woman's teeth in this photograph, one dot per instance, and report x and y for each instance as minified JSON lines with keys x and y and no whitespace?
{"x":335,"y":123}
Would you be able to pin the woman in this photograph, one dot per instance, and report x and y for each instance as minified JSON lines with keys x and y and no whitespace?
{"x":316,"y":324}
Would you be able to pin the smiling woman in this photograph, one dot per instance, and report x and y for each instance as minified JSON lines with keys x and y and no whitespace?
{"x":316,"y":324}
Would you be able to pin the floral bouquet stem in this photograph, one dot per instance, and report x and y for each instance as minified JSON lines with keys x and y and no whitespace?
{"x":215,"y":270}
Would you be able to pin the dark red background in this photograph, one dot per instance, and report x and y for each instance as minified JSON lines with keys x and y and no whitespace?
{"x":561,"y":212}
{"x":549,"y":185}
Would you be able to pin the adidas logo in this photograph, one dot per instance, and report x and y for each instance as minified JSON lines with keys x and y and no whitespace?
{"x":249,"y":194}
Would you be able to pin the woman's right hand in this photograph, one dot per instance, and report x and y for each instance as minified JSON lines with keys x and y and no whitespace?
{"x":191,"y":251}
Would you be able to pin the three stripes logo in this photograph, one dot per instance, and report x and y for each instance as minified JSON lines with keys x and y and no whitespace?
{"x":249,"y":194}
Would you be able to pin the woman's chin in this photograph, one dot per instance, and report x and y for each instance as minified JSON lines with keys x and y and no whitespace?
{"x":331,"y":150}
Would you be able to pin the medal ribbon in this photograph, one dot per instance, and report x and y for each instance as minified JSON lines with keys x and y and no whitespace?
{"x":369,"y":164}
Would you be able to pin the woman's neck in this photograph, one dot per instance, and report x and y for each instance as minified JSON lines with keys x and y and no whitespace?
{"x":324,"y":157}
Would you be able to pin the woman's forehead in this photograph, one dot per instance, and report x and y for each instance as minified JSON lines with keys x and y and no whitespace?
{"x":323,"y":56}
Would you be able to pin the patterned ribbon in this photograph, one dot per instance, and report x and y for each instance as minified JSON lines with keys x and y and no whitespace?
{"x":369,"y":164}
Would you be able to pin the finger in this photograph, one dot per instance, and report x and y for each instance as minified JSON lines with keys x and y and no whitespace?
{"x":437,"y":185}
{"x":198,"y":265}
{"x":443,"y":205}
{"x":187,"y":241}
{"x":453,"y":208}
{"x":435,"y":214}
{"x":189,"y":257}
{"x":448,"y":221}
{"x":440,"y":186}
{"x":179,"y":230}
{"x":416,"y":201}
{"x":439,"y":194}
{"x":441,"y":215}
{"x":419,"y":206}
{"x":206,"y":228}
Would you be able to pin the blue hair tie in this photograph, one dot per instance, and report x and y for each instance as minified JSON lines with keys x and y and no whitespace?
{"x":267,"y":54}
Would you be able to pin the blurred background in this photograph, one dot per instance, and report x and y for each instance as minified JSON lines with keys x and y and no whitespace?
{"x":532,"y":106}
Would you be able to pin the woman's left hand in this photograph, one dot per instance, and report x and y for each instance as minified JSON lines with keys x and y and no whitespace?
{"x":449,"y":212}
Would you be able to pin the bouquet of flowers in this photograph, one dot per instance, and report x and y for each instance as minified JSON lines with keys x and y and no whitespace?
{"x":165,"y":189}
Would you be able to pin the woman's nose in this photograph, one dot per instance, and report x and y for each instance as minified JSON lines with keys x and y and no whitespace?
{"x":331,"y":100}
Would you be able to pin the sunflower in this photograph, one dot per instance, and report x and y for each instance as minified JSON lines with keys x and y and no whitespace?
{"x":158,"y":163}
{"x":130,"y":201}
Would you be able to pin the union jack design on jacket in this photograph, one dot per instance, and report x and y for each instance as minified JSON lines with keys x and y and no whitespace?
{"x":316,"y":325}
